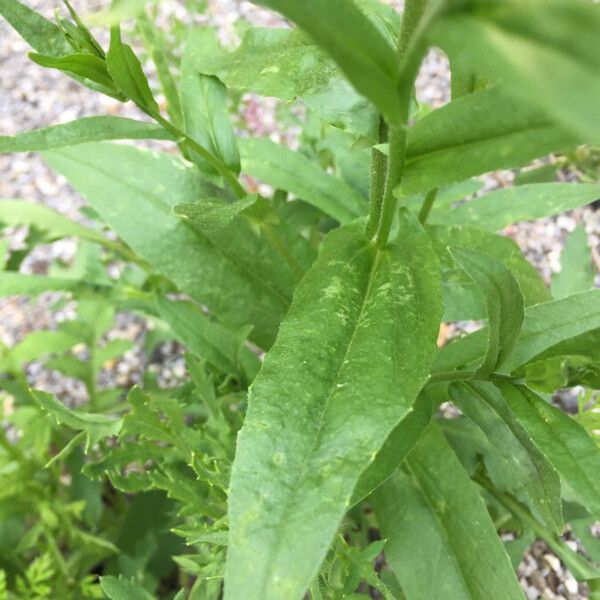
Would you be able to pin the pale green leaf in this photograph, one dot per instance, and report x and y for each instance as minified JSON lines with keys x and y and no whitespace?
{"x":204,"y":104}
{"x":89,"y":66}
{"x":576,"y":272}
{"x":123,"y":589}
{"x":210,"y":214}
{"x":442,"y":542}
{"x":566,"y":445}
{"x":348,"y":363}
{"x":503,"y":207}
{"x":547,"y":51}
{"x":364,"y":54}
{"x":295,"y":173}
{"x":484,"y":404}
{"x":19,"y":284}
{"x":503,"y":301}
{"x":88,"y":129}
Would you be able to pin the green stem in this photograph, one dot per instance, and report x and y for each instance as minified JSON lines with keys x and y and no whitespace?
{"x":212,"y":160}
{"x":427,"y":205}
{"x":377,"y":188}
{"x":411,"y":17}
{"x":451,"y":376}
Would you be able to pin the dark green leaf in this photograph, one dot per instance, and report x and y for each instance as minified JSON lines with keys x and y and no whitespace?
{"x":461,"y":297}
{"x":41,"y":34}
{"x":442,"y":542}
{"x":566,"y":445}
{"x":355,"y":43}
{"x":362,"y":325}
{"x":503,"y":300}
{"x":484,"y":404}
{"x":204,"y":104}
{"x":126,"y":71}
{"x":500,"y":208}
{"x":547,"y":51}
{"x":395,"y":448}
{"x":236,"y":272}
{"x":90,"y":66}
{"x":293,"y":172}
{"x":576,"y":273}
{"x":460,"y":140}
{"x":123,"y":589}
{"x":207,"y":338}
{"x":550,"y":323}
{"x":88,"y":129}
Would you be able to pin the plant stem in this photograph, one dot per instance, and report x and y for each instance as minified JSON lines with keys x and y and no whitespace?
{"x":377,"y":188}
{"x":427,"y":205}
{"x":212,"y":160}
{"x":451,"y":376}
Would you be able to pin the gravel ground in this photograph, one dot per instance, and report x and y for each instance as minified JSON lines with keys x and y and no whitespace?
{"x":33,"y":97}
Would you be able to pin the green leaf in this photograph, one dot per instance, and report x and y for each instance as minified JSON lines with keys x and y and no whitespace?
{"x":123,"y":589}
{"x":126,"y":71}
{"x":484,"y":404}
{"x":461,"y":297}
{"x":434,"y":518}
{"x":460,"y":140}
{"x":395,"y":448}
{"x":503,"y":300}
{"x":547,"y":51}
{"x":18,"y":284}
{"x":553,"y":322}
{"x":207,"y":338}
{"x":41,"y":34}
{"x":295,"y":173}
{"x":350,"y":358}
{"x":284,"y":63}
{"x":561,"y":327}
{"x":204,"y":105}
{"x":566,"y":445}
{"x":236,"y":272}
{"x":576,"y":272}
{"x":500,"y":208}
{"x":211,"y":214}
{"x":96,"y":427}
{"x":88,"y":129}
{"x":354,"y":42}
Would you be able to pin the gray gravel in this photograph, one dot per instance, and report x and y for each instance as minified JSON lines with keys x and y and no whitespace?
{"x":34,"y":97}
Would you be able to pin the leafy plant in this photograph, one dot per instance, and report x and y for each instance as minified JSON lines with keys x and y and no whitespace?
{"x":306,"y":453}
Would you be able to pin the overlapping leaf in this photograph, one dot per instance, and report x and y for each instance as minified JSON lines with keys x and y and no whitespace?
{"x":349,"y":361}
{"x":442,"y":542}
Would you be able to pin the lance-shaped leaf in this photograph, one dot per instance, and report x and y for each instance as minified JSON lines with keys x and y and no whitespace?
{"x":460,"y":140}
{"x":484,"y":404}
{"x":41,"y":34}
{"x":126,"y":71}
{"x":566,"y":445}
{"x":17,"y":284}
{"x":553,"y":322}
{"x":434,"y":515}
{"x":89,"y":66}
{"x":364,"y":54}
{"x":503,"y":301}
{"x":545,"y":50}
{"x":395,"y":448}
{"x":562,"y":327}
{"x":576,"y":272}
{"x":461,"y":298}
{"x":204,"y":105}
{"x":88,"y":129}
{"x":209,"y":339}
{"x":235,"y":271}
{"x":500,"y":208}
{"x":295,"y":173}
{"x":348,"y":363}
